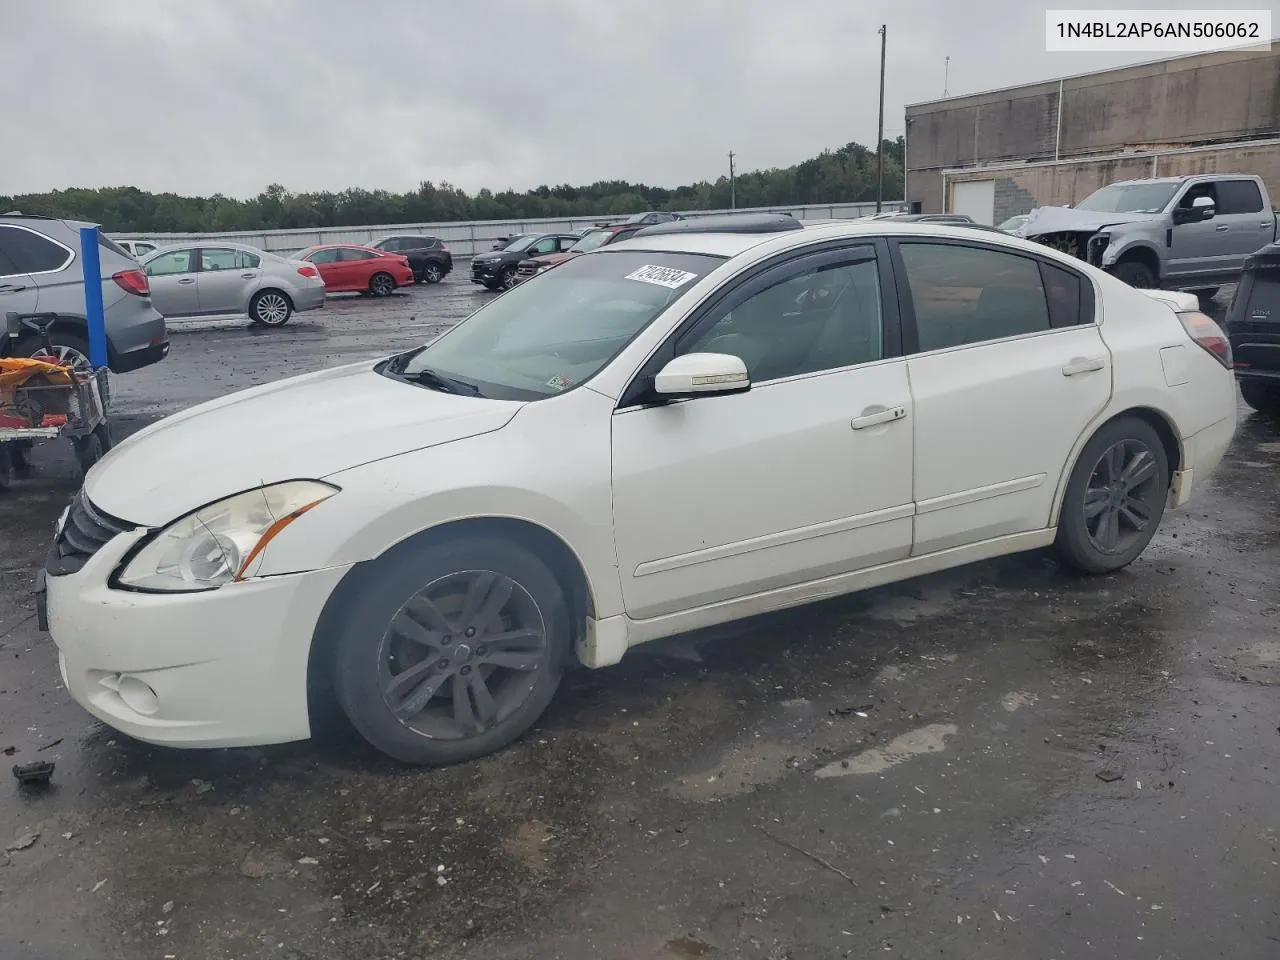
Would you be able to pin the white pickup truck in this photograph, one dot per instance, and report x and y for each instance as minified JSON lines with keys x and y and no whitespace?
{"x":1175,"y":233}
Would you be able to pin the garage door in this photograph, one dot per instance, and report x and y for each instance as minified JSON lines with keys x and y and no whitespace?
{"x":977,"y":198}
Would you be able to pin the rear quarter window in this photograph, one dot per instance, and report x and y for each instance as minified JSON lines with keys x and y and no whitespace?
{"x":32,"y":252}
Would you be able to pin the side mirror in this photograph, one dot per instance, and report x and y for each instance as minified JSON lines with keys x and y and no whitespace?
{"x":694,"y":374}
{"x":1202,"y":208}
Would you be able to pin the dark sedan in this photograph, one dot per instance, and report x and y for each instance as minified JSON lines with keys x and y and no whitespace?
{"x":497,"y":269}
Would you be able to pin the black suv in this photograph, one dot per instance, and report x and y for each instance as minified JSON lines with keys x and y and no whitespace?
{"x":1253,"y":329}
{"x":428,"y":257}
{"x":498,"y":268}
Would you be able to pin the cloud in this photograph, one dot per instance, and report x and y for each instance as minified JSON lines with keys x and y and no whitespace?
{"x":229,"y":96}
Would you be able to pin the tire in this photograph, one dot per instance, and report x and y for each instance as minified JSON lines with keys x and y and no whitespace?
{"x":270,"y":308}
{"x":438,"y":728}
{"x":1135,"y":274}
{"x":1208,"y":293}
{"x":1262,"y":397}
{"x":432,"y":273}
{"x":1140,"y":453}
{"x":508,"y":279}
{"x":89,"y":450}
{"x":8,"y":466}
{"x":68,"y":345}
{"x":382,"y":285}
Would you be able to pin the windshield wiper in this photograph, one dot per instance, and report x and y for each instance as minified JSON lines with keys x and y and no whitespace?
{"x":437,"y":381}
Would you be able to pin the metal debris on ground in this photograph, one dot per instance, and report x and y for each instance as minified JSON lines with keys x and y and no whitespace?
{"x":23,"y":841}
{"x":33,"y":773}
{"x":1109,"y":776}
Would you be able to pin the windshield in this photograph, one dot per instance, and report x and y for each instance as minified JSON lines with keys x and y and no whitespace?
{"x":557,"y":330}
{"x":1129,"y":198}
{"x":596,"y":238}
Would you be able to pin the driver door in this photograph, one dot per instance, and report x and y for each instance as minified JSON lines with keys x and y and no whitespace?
{"x":806,"y":475}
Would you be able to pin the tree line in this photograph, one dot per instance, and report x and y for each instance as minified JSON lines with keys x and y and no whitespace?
{"x":845,"y":175}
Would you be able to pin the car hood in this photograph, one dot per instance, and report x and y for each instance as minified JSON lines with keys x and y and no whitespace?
{"x":1060,"y":219}
{"x":302,"y":428}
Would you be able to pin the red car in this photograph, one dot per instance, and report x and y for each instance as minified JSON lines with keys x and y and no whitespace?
{"x":350,"y":268}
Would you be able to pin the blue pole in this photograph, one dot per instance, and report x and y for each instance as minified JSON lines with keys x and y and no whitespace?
{"x":93,"y":312}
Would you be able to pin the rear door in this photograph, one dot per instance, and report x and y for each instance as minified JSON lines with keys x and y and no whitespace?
{"x":356,"y":267}
{"x":172,"y":278}
{"x":18,"y":290}
{"x":1007,"y":369}
{"x":1250,"y":225}
{"x":227,"y":279}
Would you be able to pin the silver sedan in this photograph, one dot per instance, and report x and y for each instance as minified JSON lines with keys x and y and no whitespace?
{"x":226,"y":279}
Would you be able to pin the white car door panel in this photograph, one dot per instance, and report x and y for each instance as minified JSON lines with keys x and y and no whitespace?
{"x":806,"y":475}
{"x":995,"y":424}
{"x":1001,"y":396}
{"x":721,"y":497}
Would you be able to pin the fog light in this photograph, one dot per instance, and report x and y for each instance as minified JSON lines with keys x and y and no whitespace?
{"x":138,"y":696}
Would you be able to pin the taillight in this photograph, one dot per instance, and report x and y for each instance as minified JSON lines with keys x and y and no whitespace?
{"x":308,"y":272}
{"x":1204,"y":331}
{"x":133,"y":281}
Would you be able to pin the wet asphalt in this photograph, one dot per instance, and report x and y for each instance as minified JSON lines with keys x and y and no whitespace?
{"x":1003,"y":761}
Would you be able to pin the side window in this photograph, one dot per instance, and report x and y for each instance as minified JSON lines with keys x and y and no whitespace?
{"x":325,"y":256}
{"x":7,"y":267}
{"x":545,"y":245}
{"x":32,"y":253}
{"x":826,"y":318}
{"x":351,"y":253}
{"x":1239,"y":196}
{"x":1068,"y":299}
{"x":567,"y":242}
{"x":142,"y":249}
{"x":965,"y":295}
{"x":226,"y":258}
{"x":168,"y":264}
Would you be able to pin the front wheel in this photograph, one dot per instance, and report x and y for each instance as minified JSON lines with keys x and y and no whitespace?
{"x":1262,"y":397}
{"x":452,"y":651}
{"x":1115,"y":497}
{"x":1135,"y":274}
{"x":270,"y":308}
{"x":509,"y":278}
{"x":382,"y":285}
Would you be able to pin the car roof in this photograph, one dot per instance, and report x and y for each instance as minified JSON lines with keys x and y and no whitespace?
{"x":729,"y":245}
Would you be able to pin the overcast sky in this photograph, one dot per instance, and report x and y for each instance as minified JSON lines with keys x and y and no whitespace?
{"x":227,"y":96}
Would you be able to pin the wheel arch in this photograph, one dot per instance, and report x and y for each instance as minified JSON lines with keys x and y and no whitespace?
{"x":1143,"y":253}
{"x":1157,"y":419}
{"x":563,"y":561}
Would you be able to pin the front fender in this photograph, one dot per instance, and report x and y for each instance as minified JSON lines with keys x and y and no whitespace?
{"x":1126,"y":241}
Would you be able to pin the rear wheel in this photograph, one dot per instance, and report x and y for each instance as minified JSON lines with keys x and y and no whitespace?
{"x":88,"y":450}
{"x":452,"y":650}
{"x":1135,"y":274}
{"x":1115,"y":497}
{"x":1207,"y":293}
{"x":431,"y":273}
{"x":1262,"y":397}
{"x":69,"y":349}
{"x":382,"y":285}
{"x":270,"y":308}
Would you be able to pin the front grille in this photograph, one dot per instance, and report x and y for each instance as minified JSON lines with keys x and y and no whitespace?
{"x":86,"y":531}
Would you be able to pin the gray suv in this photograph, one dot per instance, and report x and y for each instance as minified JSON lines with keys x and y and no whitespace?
{"x":40,"y":272}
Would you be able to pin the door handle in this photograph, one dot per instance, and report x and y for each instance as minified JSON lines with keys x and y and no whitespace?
{"x":1221,"y":228}
{"x":1083,"y":365}
{"x":876,"y":417}
{"x":187,"y":280}
{"x":248,"y":276}
{"x":11,"y":288}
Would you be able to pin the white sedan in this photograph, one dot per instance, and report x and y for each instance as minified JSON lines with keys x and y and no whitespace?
{"x":716,"y":418}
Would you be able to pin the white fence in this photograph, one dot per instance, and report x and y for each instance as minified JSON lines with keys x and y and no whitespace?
{"x":472,"y":237}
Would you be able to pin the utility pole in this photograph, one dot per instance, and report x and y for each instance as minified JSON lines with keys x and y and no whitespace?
{"x":880,"y":127}
{"x":946,"y":76}
{"x":733,"y":185}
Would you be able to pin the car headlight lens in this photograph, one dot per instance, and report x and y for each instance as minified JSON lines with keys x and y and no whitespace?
{"x":222,"y":542}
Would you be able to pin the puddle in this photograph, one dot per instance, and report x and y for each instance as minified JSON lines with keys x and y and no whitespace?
{"x":930,"y":739}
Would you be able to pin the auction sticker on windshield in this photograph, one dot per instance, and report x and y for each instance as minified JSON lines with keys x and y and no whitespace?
{"x":668,"y":277}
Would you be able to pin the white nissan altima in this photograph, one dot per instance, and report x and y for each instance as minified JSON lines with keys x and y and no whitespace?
{"x":716,"y":418}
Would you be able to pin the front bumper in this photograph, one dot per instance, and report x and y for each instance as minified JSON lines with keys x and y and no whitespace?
{"x":487,"y":274}
{"x":222,"y":668}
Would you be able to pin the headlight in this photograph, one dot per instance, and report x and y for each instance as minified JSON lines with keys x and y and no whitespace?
{"x":222,"y":542}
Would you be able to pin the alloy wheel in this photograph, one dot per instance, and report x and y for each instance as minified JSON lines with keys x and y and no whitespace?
{"x":431,"y":274}
{"x":462,"y":655}
{"x":1122,"y":498}
{"x":67,"y":357}
{"x":272,"y":309}
{"x":510,"y":279}
{"x":382,"y":285}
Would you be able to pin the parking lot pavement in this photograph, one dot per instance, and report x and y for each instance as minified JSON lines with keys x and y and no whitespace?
{"x":1002,"y":761}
